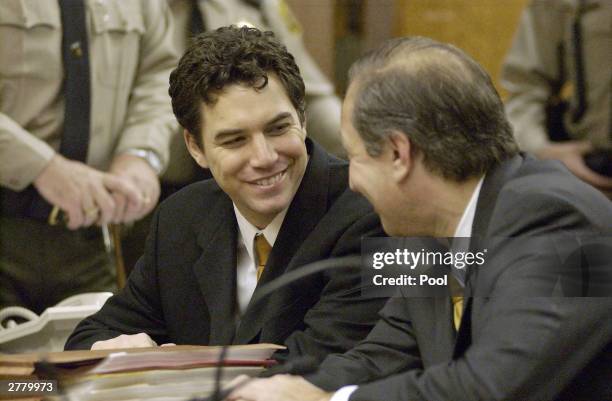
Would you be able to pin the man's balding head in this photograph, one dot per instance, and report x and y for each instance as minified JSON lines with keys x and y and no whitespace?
{"x":439,"y":97}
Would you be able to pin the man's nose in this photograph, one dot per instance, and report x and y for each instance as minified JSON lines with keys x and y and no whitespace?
{"x":263,"y":151}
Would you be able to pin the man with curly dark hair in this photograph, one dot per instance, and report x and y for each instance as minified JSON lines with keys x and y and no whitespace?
{"x":277,"y":202}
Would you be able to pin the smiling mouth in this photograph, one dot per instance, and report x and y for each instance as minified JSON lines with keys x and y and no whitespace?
{"x":266,"y":182}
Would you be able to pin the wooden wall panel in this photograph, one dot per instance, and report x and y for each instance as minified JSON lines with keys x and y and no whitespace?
{"x":483,"y":28}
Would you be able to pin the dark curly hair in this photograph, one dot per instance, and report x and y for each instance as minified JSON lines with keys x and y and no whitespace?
{"x":226,"y":56}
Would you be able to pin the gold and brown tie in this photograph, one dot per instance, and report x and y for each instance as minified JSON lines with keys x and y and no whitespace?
{"x":263,"y":248}
{"x":457,"y":299}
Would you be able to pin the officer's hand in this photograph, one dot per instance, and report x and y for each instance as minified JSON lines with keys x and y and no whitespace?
{"x":80,"y":191}
{"x":143,"y":179}
{"x":140,"y":340}
{"x":572,"y":155}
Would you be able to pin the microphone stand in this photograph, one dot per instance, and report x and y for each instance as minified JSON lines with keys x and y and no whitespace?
{"x":299,"y":366}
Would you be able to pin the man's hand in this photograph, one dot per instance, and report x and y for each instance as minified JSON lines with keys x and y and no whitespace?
{"x":144,"y":179}
{"x":82,"y":192}
{"x":279,"y":388}
{"x":140,"y":340}
{"x":572,"y":155}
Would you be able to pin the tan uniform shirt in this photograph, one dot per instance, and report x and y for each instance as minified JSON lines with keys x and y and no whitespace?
{"x":323,"y":106}
{"x":131,"y":56}
{"x":532,"y":63}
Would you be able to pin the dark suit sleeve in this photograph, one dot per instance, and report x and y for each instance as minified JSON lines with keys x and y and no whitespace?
{"x":342,"y":315}
{"x":135,"y":309}
{"x":389,"y":348}
{"x":527,"y":347}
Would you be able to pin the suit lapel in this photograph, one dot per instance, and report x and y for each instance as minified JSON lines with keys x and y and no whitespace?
{"x":464,"y":336}
{"x":216,"y":270}
{"x":307,"y":208}
{"x":440,"y":307}
{"x":443,"y":329}
{"x":485,"y":206}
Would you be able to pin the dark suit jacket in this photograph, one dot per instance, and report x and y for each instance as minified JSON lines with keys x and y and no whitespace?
{"x":183,"y":289}
{"x":514,"y":342}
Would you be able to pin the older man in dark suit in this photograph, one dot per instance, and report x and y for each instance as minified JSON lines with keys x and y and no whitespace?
{"x":277,"y":202}
{"x":430,"y":147}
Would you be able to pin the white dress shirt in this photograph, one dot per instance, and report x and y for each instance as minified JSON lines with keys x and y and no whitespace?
{"x":464,"y":229}
{"x":246,"y":279}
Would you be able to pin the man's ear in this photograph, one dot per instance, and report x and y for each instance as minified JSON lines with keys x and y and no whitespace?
{"x":194,"y":149}
{"x":402,"y":160}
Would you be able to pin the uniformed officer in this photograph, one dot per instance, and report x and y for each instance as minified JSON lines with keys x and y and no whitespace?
{"x":562,"y":49}
{"x":85,"y":124}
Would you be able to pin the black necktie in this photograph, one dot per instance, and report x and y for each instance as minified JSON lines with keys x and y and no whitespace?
{"x":196,"y":22}
{"x":75,"y":54}
{"x":196,"y":26}
{"x":579,"y":64}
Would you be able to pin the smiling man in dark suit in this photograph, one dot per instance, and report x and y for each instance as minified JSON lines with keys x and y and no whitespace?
{"x":430,"y":147}
{"x":277,"y":202}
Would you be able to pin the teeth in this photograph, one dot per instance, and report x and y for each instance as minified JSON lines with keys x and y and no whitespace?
{"x":270,"y":181}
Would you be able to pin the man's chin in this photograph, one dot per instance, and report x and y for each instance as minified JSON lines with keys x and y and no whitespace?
{"x":270,"y":209}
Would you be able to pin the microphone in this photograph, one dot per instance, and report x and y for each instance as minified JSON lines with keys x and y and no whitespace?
{"x":345,"y":262}
{"x":298,"y":366}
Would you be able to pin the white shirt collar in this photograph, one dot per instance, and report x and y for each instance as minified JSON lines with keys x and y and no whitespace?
{"x":247,"y":231}
{"x":464,"y":228}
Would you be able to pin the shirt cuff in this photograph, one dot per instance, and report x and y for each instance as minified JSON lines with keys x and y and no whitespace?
{"x":344,"y":393}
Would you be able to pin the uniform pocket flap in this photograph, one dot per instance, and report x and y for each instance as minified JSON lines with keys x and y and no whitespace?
{"x":26,"y":15}
{"x":117,"y":16}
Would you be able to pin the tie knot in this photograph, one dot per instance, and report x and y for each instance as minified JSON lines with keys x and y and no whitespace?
{"x":262,"y":248}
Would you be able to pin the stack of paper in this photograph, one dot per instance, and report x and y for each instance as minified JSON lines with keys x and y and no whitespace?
{"x":159,"y":374}
{"x":166,"y":384}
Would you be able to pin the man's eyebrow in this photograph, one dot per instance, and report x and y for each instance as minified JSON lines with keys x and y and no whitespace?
{"x":280,"y":116}
{"x":224,"y":133}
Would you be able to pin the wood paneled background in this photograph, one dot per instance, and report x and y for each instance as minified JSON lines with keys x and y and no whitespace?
{"x":483,"y":28}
